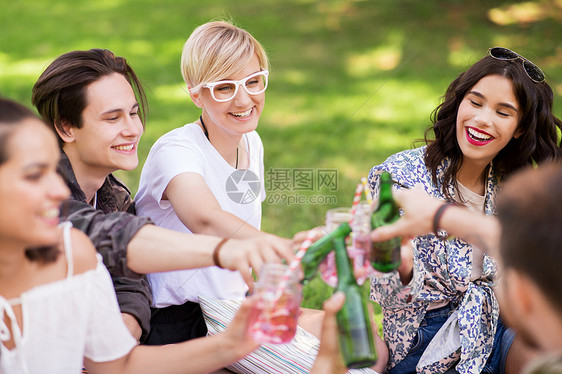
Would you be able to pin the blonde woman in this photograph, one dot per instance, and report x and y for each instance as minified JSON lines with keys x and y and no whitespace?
{"x":207,"y":176}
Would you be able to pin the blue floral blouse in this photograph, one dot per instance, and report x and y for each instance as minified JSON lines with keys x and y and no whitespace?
{"x":442,"y":272}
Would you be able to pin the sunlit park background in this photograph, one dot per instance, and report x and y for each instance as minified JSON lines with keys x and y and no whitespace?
{"x":351,"y":81}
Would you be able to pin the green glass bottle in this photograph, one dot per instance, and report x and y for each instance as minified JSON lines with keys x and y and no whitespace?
{"x":320,"y":249}
{"x":357,"y":344}
{"x":385,"y":256}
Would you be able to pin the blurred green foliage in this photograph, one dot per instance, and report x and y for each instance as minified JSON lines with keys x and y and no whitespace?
{"x":351,"y":81}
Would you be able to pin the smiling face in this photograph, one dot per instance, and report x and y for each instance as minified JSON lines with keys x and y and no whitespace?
{"x":487,"y":120}
{"x":111,"y":130}
{"x":30,"y":188}
{"x":239,"y":115}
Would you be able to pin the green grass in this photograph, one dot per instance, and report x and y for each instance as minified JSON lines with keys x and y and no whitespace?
{"x":351,"y":81}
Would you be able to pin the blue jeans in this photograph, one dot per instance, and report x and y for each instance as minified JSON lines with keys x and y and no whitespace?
{"x":429,"y":326}
{"x":502,"y":342}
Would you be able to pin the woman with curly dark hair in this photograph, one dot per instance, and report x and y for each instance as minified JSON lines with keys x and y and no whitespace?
{"x":495,"y":118}
{"x":535,"y":140}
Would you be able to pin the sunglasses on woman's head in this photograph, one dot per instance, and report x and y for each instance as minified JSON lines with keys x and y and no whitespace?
{"x":532,"y":70}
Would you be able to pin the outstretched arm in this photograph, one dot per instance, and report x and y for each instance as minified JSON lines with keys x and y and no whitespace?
{"x":196,"y":356}
{"x":201,"y":213}
{"x":155,"y":249}
{"x":419,"y":212}
{"x":132,"y":246}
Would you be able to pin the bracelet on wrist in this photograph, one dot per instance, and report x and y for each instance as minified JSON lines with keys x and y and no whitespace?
{"x":216,"y":252}
{"x":441,"y":234}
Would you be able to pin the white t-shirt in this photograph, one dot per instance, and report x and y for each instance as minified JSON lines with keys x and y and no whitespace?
{"x":240,"y":192}
{"x":65,"y":321}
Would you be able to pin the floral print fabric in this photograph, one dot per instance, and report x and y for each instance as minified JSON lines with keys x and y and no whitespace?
{"x":442,"y":271}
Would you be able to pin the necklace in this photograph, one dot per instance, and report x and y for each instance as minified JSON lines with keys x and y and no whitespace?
{"x":207,"y":135}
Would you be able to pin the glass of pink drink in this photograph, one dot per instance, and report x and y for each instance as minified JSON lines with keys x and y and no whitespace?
{"x":358,"y":251}
{"x":358,"y":243}
{"x":274,"y":318}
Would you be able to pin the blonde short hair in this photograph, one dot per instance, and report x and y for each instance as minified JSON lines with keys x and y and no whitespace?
{"x":217,"y":50}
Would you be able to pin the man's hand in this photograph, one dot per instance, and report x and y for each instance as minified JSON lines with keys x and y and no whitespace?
{"x":329,"y":359}
{"x":243,"y":254}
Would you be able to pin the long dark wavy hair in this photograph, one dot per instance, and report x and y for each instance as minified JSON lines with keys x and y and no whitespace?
{"x":538,"y":141}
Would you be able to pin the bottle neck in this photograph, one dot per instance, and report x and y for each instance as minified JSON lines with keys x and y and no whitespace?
{"x":325,"y":244}
{"x":343,"y":264}
{"x":386,"y":210}
{"x":320,"y":249}
{"x":386,"y":207}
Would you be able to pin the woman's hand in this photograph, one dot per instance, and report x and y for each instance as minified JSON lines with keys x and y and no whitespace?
{"x":236,"y":336}
{"x":417,"y":219}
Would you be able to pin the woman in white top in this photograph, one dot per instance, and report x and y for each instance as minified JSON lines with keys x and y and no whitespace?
{"x":57,"y":303}
{"x":207,"y":177}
